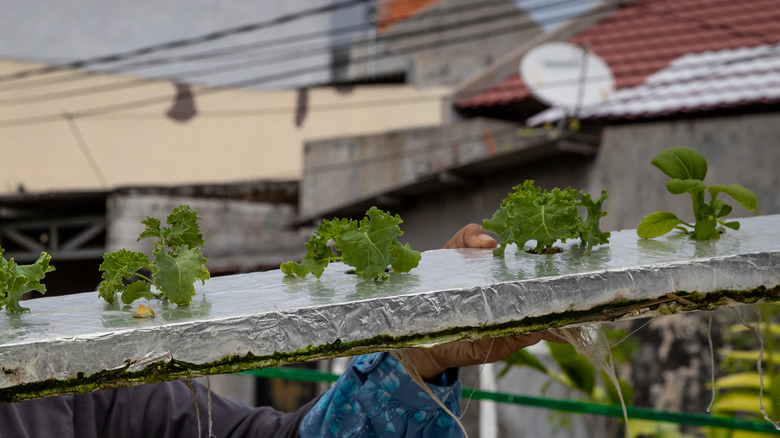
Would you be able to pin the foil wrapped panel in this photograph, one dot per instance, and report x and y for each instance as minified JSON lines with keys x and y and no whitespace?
{"x":453,"y":294}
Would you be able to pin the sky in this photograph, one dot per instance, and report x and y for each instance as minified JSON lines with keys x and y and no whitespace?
{"x":548,"y":13}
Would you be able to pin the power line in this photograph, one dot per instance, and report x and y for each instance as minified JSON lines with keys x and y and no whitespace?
{"x":263,"y":60}
{"x":74,"y":129}
{"x":150,"y":101}
{"x":258,"y":80}
{"x":297,"y":71}
{"x":254,"y":112}
{"x":213,"y":36}
{"x":235,"y":66}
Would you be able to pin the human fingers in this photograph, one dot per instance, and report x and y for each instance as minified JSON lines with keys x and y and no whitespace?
{"x":435,"y":360}
{"x":471,"y":236}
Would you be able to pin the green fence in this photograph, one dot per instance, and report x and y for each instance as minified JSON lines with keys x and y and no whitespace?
{"x":692,"y":419}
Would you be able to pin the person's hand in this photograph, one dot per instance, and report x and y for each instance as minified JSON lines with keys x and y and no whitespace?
{"x":471,"y":236}
{"x":431,"y":362}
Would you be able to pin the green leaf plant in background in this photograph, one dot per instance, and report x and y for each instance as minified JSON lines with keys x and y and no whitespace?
{"x":176,"y":264}
{"x":687,"y":168}
{"x":369,"y":246}
{"x":16,"y":280}
{"x":739,"y":390}
{"x":528,"y":213}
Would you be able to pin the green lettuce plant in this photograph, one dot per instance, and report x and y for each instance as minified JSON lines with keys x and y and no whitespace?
{"x":16,"y":280}
{"x":369,"y":246}
{"x":529,"y":213}
{"x":687,"y":168}
{"x":176,"y":264}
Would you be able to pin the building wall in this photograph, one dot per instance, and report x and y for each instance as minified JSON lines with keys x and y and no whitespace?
{"x":349,"y":170}
{"x":240,"y":235}
{"x":444,"y":43}
{"x":741,"y":150}
{"x":235,"y":135}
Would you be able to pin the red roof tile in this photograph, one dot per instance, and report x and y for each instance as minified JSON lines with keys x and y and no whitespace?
{"x":393,"y":11}
{"x":646,"y":36}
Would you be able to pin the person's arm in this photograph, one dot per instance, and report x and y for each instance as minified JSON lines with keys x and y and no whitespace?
{"x":431,"y":362}
{"x":160,"y":410}
{"x":376,"y":397}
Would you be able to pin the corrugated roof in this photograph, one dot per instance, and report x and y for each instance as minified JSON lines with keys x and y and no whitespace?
{"x":645,"y":37}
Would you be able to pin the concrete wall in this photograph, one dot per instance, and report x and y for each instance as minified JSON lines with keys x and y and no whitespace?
{"x":741,"y":150}
{"x":236,"y":135}
{"x":345,"y":171}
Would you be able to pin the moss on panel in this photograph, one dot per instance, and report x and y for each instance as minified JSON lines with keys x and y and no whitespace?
{"x":173,"y":369}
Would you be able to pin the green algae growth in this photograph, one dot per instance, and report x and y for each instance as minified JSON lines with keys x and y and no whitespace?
{"x":172,"y":369}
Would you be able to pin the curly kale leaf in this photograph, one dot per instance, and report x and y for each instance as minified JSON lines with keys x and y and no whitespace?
{"x":319,"y":251}
{"x":370,"y":246}
{"x":16,"y":280}
{"x":589,"y":232}
{"x":530,"y":213}
{"x":183,"y":229}
{"x":176,"y":273}
{"x":177,"y":264}
{"x":119,"y":266}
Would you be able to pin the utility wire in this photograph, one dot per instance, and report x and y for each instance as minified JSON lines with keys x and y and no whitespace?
{"x":213,"y":36}
{"x":262,"y":61}
{"x":242,"y":49}
{"x":240,"y":65}
{"x":257,"y":80}
{"x":252,"y":63}
{"x":254,"y":112}
{"x":132,"y":83}
{"x":85,"y":150}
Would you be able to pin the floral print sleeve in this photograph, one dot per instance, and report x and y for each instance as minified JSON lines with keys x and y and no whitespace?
{"x":375,"y":397}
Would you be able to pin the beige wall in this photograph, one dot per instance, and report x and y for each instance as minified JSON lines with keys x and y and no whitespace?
{"x":237,"y":135}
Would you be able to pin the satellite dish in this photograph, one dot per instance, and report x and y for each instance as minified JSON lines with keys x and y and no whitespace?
{"x":565,"y":75}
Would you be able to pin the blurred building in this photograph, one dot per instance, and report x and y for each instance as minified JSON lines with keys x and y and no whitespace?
{"x":697,"y":73}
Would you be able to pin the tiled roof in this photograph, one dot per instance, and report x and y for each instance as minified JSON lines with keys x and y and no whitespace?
{"x":693,"y":82}
{"x":393,"y":11}
{"x":644,"y":37}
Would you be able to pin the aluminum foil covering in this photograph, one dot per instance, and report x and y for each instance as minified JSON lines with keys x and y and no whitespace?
{"x":268,"y":312}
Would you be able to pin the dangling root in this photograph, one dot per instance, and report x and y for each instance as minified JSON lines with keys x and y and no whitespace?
{"x":592,"y":343}
{"x":712,"y":362}
{"x":211,"y":424}
{"x":759,"y":367}
{"x":195,"y":399}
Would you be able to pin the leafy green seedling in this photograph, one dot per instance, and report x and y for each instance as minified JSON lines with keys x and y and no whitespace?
{"x":16,"y":280}
{"x":370,"y":246}
{"x":176,"y":265}
{"x":528,"y":213}
{"x":687,"y":168}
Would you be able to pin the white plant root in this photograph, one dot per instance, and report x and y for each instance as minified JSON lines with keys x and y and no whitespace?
{"x":592,"y":343}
